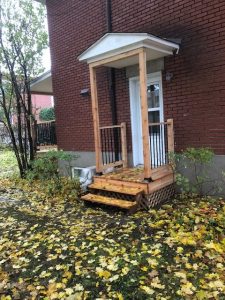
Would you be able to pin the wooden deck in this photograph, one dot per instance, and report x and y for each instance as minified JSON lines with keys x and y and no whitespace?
{"x":126,"y":187}
{"x":136,"y":174}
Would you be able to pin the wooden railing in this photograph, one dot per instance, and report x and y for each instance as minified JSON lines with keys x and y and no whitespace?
{"x":161,"y":137}
{"x":113,"y":146}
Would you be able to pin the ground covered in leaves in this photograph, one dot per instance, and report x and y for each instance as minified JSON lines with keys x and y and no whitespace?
{"x":60,"y":249}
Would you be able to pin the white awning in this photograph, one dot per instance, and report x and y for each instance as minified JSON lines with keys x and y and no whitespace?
{"x":112,"y":44}
{"x":42,"y":84}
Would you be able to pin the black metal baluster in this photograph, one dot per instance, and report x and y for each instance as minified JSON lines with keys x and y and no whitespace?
{"x":114,"y":134}
{"x":106,"y":154}
{"x":116,"y":145}
{"x":120,"y":143}
{"x":166,"y":144}
{"x":105,"y":146}
{"x":155,"y":148}
{"x":151,"y":145}
{"x":111,"y":145}
{"x":162,"y":146}
{"x":102,"y":145}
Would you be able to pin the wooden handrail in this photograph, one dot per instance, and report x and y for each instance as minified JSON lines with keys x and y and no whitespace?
{"x":159,"y":123}
{"x":113,"y":126}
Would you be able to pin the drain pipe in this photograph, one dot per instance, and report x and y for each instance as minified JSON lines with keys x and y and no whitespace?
{"x":109,"y":15}
{"x":111,"y":73}
{"x":112,"y":80}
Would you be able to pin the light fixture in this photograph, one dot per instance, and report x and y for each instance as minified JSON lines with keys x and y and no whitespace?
{"x":169,"y":76}
{"x":84,"y":92}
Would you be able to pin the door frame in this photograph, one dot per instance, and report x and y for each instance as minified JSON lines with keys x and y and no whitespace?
{"x":135,"y":109}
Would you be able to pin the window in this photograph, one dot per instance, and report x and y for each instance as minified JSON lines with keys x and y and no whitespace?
{"x":153,"y":106}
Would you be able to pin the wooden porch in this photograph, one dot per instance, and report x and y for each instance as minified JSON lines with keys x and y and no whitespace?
{"x":130,"y":188}
{"x":127,"y":188}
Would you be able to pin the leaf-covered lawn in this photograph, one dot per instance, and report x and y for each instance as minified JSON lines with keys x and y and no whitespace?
{"x":62,"y":249}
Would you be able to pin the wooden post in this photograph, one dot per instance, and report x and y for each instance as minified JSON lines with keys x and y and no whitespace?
{"x":144,"y":114}
{"x":170,"y":135}
{"x":95,"y":113}
{"x":124,"y":144}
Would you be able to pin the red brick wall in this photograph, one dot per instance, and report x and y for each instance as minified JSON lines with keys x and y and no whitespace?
{"x":195,"y":97}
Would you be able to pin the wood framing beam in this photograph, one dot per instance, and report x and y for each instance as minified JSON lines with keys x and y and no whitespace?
{"x":115,"y":58}
{"x":95,"y":113}
{"x":144,"y":113}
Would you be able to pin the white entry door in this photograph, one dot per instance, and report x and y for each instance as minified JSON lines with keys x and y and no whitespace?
{"x":155,"y":115}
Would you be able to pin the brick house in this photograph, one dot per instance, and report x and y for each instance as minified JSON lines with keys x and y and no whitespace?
{"x":187,"y":87}
{"x":42,"y":95}
{"x":39,"y":102}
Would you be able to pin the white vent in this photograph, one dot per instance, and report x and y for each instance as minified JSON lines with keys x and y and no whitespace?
{"x":85,"y":175}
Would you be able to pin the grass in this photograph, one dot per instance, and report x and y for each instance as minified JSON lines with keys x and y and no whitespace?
{"x":57,"y":248}
{"x":8,"y":163}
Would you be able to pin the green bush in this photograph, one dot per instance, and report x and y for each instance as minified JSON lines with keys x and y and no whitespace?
{"x":45,"y":167}
{"x":197,"y":160}
{"x":47,"y":114}
{"x":65,"y":187}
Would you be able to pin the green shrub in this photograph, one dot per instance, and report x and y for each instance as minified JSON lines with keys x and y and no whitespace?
{"x":200,"y":156}
{"x":65,"y":187}
{"x":47,"y":114}
{"x":197,"y":160}
{"x":46,"y":166}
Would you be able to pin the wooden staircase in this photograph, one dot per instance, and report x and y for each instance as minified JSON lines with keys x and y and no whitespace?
{"x":126,"y":188}
{"x":121,"y":196}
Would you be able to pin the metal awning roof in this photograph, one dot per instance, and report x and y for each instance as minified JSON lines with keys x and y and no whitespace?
{"x":112,"y":44}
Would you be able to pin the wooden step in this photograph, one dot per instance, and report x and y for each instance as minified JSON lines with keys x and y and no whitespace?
{"x":132,"y":191}
{"x":110,"y":201}
{"x":121,"y":183}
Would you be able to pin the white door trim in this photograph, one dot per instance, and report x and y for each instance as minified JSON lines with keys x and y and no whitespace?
{"x":137,"y":145}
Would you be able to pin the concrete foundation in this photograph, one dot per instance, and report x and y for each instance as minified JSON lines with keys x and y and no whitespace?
{"x":214,"y":174}
{"x":215,"y":185}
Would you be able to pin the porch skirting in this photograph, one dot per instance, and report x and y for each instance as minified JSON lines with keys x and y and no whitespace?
{"x":159,"y":197}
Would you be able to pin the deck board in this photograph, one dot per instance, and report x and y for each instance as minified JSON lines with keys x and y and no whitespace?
{"x":109,"y":201}
{"x":133,"y":191}
{"x":122,"y":183}
{"x":137,"y":174}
